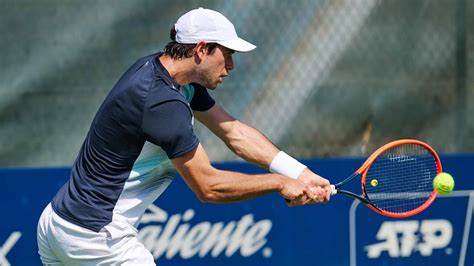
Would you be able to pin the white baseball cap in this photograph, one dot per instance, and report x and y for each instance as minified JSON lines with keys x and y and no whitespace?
{"x":210,"y":26}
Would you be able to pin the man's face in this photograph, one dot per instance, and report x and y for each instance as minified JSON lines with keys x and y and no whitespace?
{"x":215,"y":66}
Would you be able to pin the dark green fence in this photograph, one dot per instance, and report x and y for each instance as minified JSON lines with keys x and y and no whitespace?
{"x":329,"y":78}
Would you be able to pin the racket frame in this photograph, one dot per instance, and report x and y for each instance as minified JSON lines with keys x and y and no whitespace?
{"x":362,"y":171}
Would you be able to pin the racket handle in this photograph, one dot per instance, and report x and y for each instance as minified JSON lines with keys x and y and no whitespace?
{"x":333,"y":190}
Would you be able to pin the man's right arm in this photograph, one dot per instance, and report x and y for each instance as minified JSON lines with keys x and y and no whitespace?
{"x":218,"y":186}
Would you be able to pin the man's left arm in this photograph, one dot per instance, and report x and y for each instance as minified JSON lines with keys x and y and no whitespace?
{"x":252,"y":146}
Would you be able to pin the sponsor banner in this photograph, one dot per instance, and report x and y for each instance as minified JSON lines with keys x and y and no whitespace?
{"x":176,"y":235}
{"x":180,"y":230}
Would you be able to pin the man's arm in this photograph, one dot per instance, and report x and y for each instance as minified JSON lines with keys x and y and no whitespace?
{"x":250,"y":144}
{"x":218,"y":186}
{"x":245,"y":141}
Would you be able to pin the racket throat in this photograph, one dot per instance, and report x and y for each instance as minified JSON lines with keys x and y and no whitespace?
{"x":348,"y":193}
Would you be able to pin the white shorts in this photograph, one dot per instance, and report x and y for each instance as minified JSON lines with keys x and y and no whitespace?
{"x":63,"y":243}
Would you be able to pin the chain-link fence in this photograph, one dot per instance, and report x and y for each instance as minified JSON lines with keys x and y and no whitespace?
{"x":329,"y":78}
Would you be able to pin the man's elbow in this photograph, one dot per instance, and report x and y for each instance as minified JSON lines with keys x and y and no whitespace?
{"x":207,"y":195}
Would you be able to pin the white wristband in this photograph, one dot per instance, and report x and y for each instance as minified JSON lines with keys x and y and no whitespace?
{"x":286,"y":165}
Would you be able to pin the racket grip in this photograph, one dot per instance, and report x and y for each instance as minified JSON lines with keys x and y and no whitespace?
{"x":333,"y":190}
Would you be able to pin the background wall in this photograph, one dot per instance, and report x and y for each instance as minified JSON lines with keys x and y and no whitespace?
{"x":328,"y":79}
{"x":179,"y":230}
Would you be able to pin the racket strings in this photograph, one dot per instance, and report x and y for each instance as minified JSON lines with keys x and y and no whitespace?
{"x":404,"y":176}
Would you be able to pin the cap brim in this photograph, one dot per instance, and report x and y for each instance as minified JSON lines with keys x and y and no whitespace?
{"x":238,"y":45}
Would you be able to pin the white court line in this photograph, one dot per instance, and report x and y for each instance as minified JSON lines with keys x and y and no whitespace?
{"x":467,"y":226}
{"x":352,"y":233}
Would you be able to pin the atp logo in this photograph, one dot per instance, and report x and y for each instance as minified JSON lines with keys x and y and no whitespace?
{"x":403,"y":238}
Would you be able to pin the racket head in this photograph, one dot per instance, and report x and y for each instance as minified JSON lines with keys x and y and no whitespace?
{"x":397,"y":179}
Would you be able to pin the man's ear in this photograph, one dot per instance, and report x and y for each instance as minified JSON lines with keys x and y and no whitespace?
{"x":201,"y":49}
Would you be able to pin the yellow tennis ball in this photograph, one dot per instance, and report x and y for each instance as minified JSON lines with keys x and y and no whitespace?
{"x":443,"y":183}
{"x":374,"y":182}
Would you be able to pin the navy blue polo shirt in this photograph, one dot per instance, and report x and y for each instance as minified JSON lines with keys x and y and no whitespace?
{"x":123,"y":164}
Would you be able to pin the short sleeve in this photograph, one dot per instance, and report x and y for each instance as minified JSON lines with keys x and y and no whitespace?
{"x":201,"y":101}
{"x":169,"y":125}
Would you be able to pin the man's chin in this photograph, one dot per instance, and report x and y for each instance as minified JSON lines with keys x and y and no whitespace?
{"x":212,"y":86}
{"x":208,"y":86}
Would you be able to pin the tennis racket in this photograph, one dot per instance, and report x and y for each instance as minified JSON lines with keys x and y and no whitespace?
{"x":397,"y":179}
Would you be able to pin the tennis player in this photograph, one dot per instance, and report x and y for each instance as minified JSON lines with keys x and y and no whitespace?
{"x":143,"y":132}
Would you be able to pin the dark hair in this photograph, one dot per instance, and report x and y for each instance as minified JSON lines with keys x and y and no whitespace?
{"x":182,"y":50}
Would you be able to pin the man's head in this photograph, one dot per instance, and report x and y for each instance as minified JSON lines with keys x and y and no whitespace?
{"x":211,"y":39}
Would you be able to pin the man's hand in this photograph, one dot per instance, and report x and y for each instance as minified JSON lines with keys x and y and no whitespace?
{"x":295,"y":192}
{"x":319,"y":187}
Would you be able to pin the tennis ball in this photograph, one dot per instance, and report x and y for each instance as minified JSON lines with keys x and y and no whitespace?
{"x":443,"y":183}
{"x":374,"y":182}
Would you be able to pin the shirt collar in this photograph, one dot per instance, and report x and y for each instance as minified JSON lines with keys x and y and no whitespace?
{"x":162,"y":72}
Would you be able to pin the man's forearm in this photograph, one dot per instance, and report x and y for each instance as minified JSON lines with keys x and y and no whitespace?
{"x":233,"y":187}
{"x":250,"y":144}
{"x":254,"y":147}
